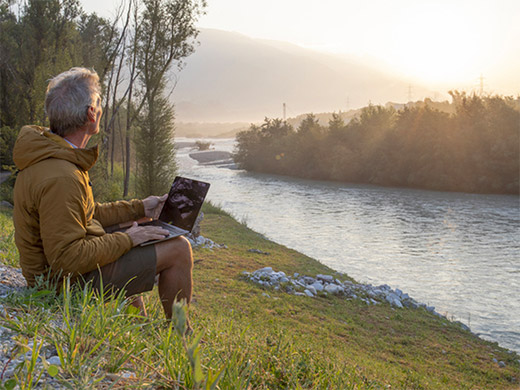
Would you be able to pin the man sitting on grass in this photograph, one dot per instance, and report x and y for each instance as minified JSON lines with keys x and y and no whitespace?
{"x":60,"y":230}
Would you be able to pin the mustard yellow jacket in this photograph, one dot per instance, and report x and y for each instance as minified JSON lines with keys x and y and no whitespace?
{"x":58,"y":226}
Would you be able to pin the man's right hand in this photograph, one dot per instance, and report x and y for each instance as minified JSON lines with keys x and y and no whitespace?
{"x":140,"y":234}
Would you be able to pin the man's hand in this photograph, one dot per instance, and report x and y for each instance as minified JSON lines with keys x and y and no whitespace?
{"x":153,"y":206}
{"x":140,"y":234}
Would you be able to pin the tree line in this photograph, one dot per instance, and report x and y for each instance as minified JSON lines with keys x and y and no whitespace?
{"x":474,"y":149}
{"x":134,"y":54}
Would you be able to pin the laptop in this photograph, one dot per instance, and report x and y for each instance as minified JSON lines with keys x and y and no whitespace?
{"x":181,"y":208}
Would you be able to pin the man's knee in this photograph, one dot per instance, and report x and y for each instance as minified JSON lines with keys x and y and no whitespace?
{"x":185,"y":250}
{"x":175,"y":252}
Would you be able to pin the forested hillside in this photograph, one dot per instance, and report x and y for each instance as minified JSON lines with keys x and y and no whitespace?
{"x":475,"y":149}
{"x":132,"y":53}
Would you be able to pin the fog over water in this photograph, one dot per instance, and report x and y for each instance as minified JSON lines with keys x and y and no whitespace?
{"x":458,"y":252}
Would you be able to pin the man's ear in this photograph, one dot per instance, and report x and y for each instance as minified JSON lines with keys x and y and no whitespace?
{"x":91,"y":114}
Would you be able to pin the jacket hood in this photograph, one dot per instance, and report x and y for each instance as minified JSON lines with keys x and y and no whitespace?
{"x":35,"y":143}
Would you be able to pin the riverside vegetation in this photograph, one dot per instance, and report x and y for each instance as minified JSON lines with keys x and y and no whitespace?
{"x":469,"y":145}
{"x":246,"y":337}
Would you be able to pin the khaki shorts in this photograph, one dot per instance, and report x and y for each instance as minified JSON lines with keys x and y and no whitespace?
{"x":133,"y":272}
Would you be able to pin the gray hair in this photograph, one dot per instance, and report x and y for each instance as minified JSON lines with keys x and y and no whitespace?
{"x":68,"y":97}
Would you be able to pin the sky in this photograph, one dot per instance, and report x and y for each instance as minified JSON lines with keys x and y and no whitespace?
{"x":452,"y":44}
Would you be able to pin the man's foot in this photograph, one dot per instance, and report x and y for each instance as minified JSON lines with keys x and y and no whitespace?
{"x":137,"y":301}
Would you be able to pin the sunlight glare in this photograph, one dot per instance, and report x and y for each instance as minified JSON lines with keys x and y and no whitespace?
{"x":434,"y":43}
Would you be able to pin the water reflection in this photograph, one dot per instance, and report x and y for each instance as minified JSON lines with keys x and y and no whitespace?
{"x":458,"y":252}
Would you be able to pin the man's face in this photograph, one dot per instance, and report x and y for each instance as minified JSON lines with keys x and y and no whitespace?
{"x":97,"y":112}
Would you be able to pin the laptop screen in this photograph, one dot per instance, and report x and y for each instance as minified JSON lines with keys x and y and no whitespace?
{"x":184,"y":202}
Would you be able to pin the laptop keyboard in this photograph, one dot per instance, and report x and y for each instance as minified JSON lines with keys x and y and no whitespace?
{"x":173,"y":229}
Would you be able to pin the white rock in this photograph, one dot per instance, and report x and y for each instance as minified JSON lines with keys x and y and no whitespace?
{"x":333,"y":289}
{"x":312,"y":290}
{"x":308,"y":293}
{"x":317,"y":286}
{"x":55,"y":360}
{"x":267,"y":270}
{"x":394,"y":300}
{"x":326,"y":278}
{"x":284,"y":279}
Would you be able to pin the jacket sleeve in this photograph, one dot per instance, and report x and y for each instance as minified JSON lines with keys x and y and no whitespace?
{"x":109,"y":214}
{"x":67,"y":243}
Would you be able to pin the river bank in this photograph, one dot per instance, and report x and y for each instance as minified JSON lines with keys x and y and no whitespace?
{"x":457,"y":252}
{"x":266,"y":338}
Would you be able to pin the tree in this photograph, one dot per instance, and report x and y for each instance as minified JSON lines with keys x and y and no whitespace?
{"x":167,"y":34}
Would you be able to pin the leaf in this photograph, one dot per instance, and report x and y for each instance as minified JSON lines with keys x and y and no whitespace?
{"x":198,"y":376}
{"x":10,"y":384}
{"x":213,"y":381}
{"x":53,"y":370}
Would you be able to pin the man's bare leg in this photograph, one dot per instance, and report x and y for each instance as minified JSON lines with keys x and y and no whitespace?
{"x":174,"y":267}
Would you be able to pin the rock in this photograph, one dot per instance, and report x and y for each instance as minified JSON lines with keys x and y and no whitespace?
{"x":55,"y":360}
{"x":317,"y":286}
{"x":495,"y":360}
{"x":501,"y":364}
{"x":267,"y":270}
{"x":333,"y":289}
{"x":8,"y":373}
{"x":308,"y":293}
{"x":326,"y":278}
{"x":6,"y":204}
{"x":312,"y":290}
{"x":394,"y":300}
{"x":284,"y":279}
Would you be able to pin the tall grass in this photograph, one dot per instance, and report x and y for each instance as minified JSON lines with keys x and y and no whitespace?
{"x":8,"y":251}
{"x":241,"y":339}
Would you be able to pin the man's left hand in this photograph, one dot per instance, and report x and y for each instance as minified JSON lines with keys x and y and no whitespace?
{"x":153,"y":206}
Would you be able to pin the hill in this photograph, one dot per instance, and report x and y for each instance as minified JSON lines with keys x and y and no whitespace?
{"x":232,"y":77}
{"x":255,"y":337}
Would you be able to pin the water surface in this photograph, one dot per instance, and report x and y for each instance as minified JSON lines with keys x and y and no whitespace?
{"x":458,"y":252}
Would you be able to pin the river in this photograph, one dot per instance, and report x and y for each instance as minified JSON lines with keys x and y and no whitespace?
{"x":455,"y":251}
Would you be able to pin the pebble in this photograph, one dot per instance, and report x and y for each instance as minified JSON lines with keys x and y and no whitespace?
{"x":54,"y":360}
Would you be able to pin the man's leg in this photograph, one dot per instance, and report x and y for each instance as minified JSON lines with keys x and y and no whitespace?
{"x":174,"y":267}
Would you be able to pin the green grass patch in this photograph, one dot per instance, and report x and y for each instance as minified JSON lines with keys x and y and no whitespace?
{"x":245,"y":339}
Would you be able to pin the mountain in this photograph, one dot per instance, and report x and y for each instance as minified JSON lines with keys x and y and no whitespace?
{"x":234,"y":78}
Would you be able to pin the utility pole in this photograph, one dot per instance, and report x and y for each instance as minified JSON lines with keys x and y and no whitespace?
{"x":481,"y":89}
{"x":409,"y":92}
{"x":284,"y":112}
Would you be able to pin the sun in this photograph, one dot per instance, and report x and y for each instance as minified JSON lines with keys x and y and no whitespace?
{"x":434,"y":43}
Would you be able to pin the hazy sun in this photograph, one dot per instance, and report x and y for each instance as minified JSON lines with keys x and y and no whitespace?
{"x":435,"y":43}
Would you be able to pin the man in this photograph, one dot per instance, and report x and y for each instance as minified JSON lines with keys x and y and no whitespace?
{"x":60,"y":230}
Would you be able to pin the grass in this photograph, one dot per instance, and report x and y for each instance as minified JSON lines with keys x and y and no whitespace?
{"x":245,"y":337}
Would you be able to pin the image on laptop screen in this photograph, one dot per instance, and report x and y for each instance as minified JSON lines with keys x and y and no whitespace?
{"x":184,"y":202}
